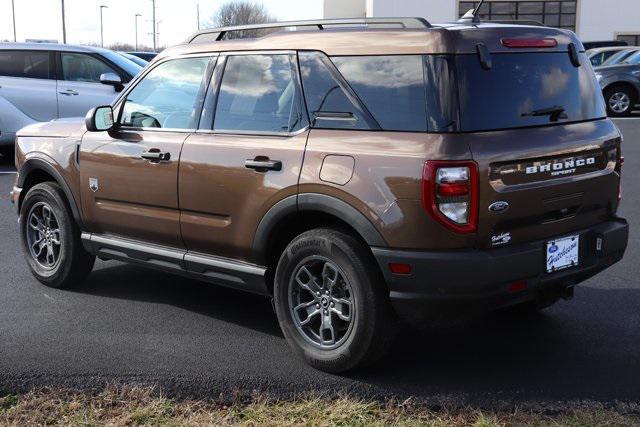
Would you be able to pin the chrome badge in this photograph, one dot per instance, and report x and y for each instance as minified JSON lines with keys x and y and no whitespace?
{"x":499,"y":206}
{"x":93,"y":184}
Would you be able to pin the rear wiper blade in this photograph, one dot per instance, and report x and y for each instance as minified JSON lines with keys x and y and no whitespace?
{"x":555,"y":113}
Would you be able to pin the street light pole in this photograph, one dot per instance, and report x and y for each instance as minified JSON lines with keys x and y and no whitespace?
{"x":101,"y":27}
{"x":13,"y":12}
{"x":198,"y":14}
{"x":153,"y":4}
{"x":64,"y":27}
{"x":137,"y":15}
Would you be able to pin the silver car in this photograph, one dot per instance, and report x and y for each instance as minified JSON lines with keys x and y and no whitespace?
{"x":41,"y":82}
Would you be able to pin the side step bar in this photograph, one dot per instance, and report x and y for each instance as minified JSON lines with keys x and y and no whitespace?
{"x":221,"y":271}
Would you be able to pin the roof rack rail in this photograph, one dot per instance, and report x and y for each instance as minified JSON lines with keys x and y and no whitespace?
{"x":217,"y":34}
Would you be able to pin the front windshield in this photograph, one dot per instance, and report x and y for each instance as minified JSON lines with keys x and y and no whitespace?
{"x":129,"y":66}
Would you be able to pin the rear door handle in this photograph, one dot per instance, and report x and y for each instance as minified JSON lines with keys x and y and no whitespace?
{"x":154,"y":155}
{"x":263,"y":164}
{"x":68,"y":92}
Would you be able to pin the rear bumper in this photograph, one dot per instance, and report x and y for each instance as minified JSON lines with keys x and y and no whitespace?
{"x":480,"y":279}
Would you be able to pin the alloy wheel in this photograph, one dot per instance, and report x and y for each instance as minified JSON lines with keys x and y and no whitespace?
{"x":44,"y":236}
{"x":619,"y":102}
{"x":321,"y":302}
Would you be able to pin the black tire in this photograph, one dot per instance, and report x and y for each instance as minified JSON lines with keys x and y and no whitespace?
{"x":373,"y":325}
{"x":621,"y":92}
{"x":73,"y":263}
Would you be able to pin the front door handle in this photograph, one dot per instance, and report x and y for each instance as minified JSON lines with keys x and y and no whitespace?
{"x":154,"y":155}
{"x":68,"y":92}
{"x":263,"y":164}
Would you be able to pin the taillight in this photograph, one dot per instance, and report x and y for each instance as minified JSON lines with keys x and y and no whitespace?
{"x":529,"y":43}
{"x":450,"y":194}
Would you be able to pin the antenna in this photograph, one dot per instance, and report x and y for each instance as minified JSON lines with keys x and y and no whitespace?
{"x":472,"y":15}
{"x":476,"y":18}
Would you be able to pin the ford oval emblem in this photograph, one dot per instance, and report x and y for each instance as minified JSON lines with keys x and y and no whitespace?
{"x":497,"y":207}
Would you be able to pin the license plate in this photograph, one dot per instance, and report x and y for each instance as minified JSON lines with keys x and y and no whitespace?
{"x":562,"y":253}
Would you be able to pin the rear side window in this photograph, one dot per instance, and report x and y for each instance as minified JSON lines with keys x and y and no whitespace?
{"x":27,"y":64}
{"x":167,"y":97}
{"x":526,"y":89}
{"x":391,"y":87}
{"x":329,"y":102}
{"x":78,"y":67}
{"x":259,"y":93}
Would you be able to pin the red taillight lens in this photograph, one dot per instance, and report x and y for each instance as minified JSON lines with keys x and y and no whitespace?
{"x":450,"y":194}
{"x":529,"y":43}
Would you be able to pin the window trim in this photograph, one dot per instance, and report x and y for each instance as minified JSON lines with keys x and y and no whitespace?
{"x":208,"y":111}
{"x":118,"y":103}
{"x":52,"y":63}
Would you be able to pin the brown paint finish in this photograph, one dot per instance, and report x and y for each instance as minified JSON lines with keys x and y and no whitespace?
{"x":386,"y":185}
{"x":222,"y":201}
{"x":135,"y":198}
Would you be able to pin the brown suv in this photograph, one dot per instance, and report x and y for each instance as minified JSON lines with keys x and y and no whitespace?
{"x":360,"y":172}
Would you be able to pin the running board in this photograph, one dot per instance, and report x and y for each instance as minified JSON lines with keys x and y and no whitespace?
{"x":218,"y":270}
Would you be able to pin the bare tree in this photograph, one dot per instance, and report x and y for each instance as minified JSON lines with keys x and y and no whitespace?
{"x":235,"y":13}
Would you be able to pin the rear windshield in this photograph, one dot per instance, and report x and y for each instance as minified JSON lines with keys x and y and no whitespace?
{"x":454,"y":93}
{"x":526,"y":89}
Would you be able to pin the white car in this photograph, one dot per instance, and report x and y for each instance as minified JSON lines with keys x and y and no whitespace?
{"x":599,"y":55}
{"x":41,"y":82}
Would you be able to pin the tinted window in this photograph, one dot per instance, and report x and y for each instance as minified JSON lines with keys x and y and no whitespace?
{"x":78,"y":67}
{"x":518,"y":85}
{"x":167,"y":96}
{"x":29,"y":64}
{"x":391,"y":87}
{"x":258,"y":93}
{"x":329,"y":104}
{"x":441,"y":93}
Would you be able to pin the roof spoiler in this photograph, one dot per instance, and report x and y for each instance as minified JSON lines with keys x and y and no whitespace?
{"x":217,"y":34}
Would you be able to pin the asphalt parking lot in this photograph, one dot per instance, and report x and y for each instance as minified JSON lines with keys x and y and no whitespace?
{"x":129,"y":325}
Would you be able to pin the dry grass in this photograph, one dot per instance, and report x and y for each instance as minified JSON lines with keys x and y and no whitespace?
{"x":145,"y":406}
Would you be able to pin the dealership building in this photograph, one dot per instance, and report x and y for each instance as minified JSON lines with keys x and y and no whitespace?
{"x":591,"y":19}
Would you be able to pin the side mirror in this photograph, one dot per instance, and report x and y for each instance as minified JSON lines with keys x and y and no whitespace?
{"x":112,"y":80}
{"x":99,"y":119}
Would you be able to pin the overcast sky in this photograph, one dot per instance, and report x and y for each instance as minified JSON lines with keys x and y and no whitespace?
{"x":41,"y":19}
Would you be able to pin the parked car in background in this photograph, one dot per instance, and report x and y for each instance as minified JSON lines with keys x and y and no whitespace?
{"x":604,"y":43}
{"x":147,"y":56}
{"x":141,"y":62}
{"x":41,"y":82}
{"x":620,"y":56}
{"x":621,"y":85}
{"x":599,"y":55}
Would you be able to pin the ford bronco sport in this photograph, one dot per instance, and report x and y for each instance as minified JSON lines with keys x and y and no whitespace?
{"x":359,"y":172}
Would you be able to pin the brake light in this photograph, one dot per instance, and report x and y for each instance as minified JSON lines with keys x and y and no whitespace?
{"x":450,"y":194}
{"x":529,"y":43}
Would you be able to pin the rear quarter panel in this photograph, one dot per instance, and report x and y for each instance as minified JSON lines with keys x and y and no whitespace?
{"x":386,"y":183}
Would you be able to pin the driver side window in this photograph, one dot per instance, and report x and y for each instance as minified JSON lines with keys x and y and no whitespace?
{"x":167,"y":96}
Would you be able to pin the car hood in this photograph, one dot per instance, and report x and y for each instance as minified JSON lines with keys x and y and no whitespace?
{"x":60,"y":128}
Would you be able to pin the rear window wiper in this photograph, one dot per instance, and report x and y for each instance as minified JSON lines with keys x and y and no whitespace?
{"x":555,"y":113}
